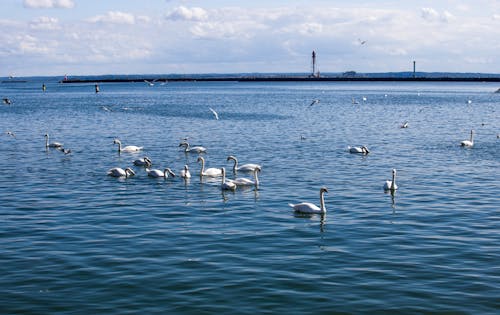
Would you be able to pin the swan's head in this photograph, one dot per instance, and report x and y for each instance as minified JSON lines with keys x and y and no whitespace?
{"x":169,"y":171}
{"x":231,"y":157}
{"x":129,"y":170}
{"x":200,"y":159}
{"x":223,"y":171}
{"x":46,"y":135}
{"x":116,"y":141}
{"x":365,"y":149}
{"x":183,"y":144}
{"x":186,"y":168}
{"x":394,"y":171}
{"x":323,"y":190}
{"x":257,"y":169}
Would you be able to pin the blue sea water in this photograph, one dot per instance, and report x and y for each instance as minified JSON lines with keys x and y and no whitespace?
{"x":77,"y":241}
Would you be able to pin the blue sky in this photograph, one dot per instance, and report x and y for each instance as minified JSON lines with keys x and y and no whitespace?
{"x":83,"y":37}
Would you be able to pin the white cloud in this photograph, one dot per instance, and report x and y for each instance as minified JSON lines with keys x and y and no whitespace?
{"x":48,"y":4}
{"x":114,"y":17}
{"x":187,"y":14}
{"x":45,"y":23}
{"x":431,"y":15}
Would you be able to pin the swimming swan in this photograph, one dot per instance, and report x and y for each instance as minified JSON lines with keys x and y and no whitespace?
{"x":361,"y":150}
{"x":211,"y":172}
{"x":185,"y":173}
{"x":307,"y":207}
{"x":145,"y":161}
{"x":129,"y":148}
{"x":470,"y":142}
{"x":120,"y":172}
{"x":196,"y":149}
{"x":391,"y":184}
{"x":241,"y":181}
{"x":53,"y":144}
{"x":226,"y":185}
{"x":244,"y":167}
{"x":158,"y":173}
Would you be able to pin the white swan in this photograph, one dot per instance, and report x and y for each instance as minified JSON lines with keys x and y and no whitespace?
{"x":185,"y":173}
{"x":120,"y":172}
{"x":189,"y":149}
{"x":243,"y":168}
{"x":361,"y":150}
{"x":215,"y":113}
{"x":211,"y":172}
{"x":53,"y":144}
{"x":226,"y":185}
{"x":310,"y":208}
{"x":241,"y":181}
{"x":158,"y":173}
{"x":129,"y":148}
{"x":391,"y":184}
{"x":145,"y":161}
{"x":470,"y":142}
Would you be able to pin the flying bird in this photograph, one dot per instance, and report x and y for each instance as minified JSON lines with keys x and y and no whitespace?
{"x":6,"y":101}
{"x":361,"y":42}
{"x":10,"y":133}
{"x":316,"y":101}
{"x":215,"y":113}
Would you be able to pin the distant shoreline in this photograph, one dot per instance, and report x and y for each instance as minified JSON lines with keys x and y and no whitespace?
{"x":283,"y":79}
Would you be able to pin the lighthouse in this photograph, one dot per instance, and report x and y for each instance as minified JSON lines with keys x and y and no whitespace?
{"x":313,"y":65}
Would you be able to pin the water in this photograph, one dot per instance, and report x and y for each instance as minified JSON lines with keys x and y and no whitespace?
{"x":75,"y":240}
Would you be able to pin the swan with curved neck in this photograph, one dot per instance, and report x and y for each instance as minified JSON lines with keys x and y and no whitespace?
{"x":470,"y":142}
{"x":145,"y":161}
{"x":158,"y":173}
{"x":391,"y":184}
{"x":120,"y":172}
{"x":53,"y":144}
{"x":129,"y":148}
{"x":211,"y":172}
{"x":241,"y":181}
{"x":243,"y":168}
{"x":189,"y":149}
{"x":310,"y":208}
{"x":360,"y":150}
{"x":185,"y":173}
{"x":226,"y":185}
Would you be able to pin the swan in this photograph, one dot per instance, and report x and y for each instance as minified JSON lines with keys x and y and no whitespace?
{"x":470,"y":142}
{"x":53,"y":144}
{"x":211,"y":172}
{"x":361,"y":150}
{"x":310,"y":208}
{"x":241,"y":181}
{"x":244,"y":167}
{"x":391,"y":184}
{"x":129,"y":148}
{"x":215,"y":113}
{"x":226,"y":185}
{"x":185,"y":173}
{"x":145,"y":161}
{"x":158,"y":173}
{"x":120,"y":172}
{"x":188,"y":149}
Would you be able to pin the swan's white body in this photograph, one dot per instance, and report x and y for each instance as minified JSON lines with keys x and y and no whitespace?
{"x":189,"y":149}
{"x":210,"y":172}
{"x":129,"y":148}
{"x":470,"y":142}
{"x":53,"y":144}
{"x":145,"y":161}
{"x":391,"y":184}
{"x":241,"y":181}
{"x":310,"y":208}
{"x":120,"y":172}
{"x":226,"y":185}
{"x":360,"y":150}
{"x":159,"y":173}
{"x":185,"y":173}
{"x":243,"y":168}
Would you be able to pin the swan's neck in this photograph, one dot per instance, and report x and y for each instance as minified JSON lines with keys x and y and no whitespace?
{"x":471,"y":136}
{"x":46,"y":141}
{"x":256,"y":178}
{"x":119,"y":146}
{"x":235,"y":166}
{"x":393,"y":184}
{"x":223,"y":177}
{"x":202,"y":167}
{"x":322,"y":202}
{"x":187,"y":147}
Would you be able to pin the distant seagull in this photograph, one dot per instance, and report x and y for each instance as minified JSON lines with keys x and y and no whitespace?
{"x":361,"y":42}
{"x":405,"y":125}
{"x":354,"y":101}
{"x":97,"y":88}
{"x":149,"y":83}
{"x":364,"y":98}
{"x":214,"y":112}
{"x":469,"y":101}
{"x":63,"y":150}
{"x":6,"y":101}
{"x":10,"y":133}
{"x":316,"y":101}
{"x":302,"y":137}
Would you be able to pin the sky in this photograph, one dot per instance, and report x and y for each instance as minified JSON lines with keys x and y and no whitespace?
{"x":94,"y":37}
